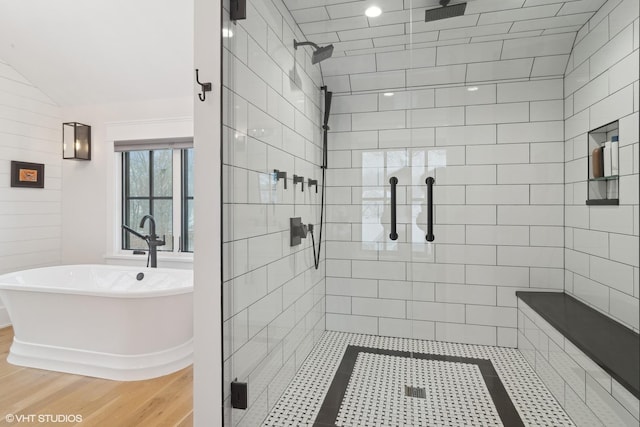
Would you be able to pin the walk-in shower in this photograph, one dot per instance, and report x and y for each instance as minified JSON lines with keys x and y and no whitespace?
{"x":457,"y":225}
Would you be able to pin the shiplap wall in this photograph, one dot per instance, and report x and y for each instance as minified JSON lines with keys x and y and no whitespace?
{"x":496,"y":153}
{"x":273,"y":297}
{"x":30,"y":219}
{"x":601,"y":85}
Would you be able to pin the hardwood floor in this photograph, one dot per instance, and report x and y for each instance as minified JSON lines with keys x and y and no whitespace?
{"x":164,"y":401}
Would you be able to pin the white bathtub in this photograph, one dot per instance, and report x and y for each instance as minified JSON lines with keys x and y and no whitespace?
{"x":99,"y":321}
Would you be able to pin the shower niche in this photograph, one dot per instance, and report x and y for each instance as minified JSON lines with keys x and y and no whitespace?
{"x":603,"y":165}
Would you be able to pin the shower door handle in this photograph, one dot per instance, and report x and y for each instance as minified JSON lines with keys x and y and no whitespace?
{"x":394,"y":233}
{"x":430,"y":181}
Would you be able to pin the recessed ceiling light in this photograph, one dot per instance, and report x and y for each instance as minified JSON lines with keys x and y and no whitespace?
{"x":472,"y":88}
{"x":388,"y":94}
{"x":373,"y":11}
{"x":227,"y":33}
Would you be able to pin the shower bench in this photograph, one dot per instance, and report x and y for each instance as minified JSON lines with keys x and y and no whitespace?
{"x":590,"y":362}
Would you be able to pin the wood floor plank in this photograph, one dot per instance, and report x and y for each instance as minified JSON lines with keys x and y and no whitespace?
{"x":82,"y":396}
{"x":17,"y":389}
{"x":34,"y":396}
{"x":6,"y":368}
{"x":6,"y":337}
{"x":180,"y":401}
{"x":164,"y":401}
{"x":128,"y":399}
{"x":186,"y":421}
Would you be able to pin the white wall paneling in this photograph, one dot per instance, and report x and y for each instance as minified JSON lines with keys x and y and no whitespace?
{"x":30,"y":219}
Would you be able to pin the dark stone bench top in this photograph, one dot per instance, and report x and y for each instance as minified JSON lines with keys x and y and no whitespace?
{"x":614,"y":347}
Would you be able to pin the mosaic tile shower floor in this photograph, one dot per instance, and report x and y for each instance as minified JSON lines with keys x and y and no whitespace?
{"x":456,"y":394}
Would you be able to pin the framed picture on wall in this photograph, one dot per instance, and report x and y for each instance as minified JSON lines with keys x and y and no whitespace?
{"x":30,"y":175}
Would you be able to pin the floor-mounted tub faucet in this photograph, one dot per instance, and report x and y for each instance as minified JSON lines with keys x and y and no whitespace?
{"x":152,"y":239}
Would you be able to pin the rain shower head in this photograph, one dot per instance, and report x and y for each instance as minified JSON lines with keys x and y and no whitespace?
{"x":319,"y":53}
{"x":445,"y":11}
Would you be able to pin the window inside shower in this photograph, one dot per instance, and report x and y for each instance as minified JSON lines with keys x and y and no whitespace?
{"x":455,"y":176}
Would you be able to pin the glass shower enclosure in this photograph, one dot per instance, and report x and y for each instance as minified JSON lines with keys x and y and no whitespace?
{"x":388,"y":187}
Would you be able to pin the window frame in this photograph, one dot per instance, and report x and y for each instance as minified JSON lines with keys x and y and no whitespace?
{"x":184,"y":200}
{"x":179,"y":209}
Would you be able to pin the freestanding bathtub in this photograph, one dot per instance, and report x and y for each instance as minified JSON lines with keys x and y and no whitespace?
{"x":100,"y":321}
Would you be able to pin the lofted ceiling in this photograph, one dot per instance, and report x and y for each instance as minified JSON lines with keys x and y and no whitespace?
{"x":493,"y":40}
{"x":100,"y":51}
{"x":107,"y":51}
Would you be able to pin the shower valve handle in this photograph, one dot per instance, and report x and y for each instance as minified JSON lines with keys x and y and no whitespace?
{"x":280,"y":175}
{"x":302,"y":231}
{"x":312,"y":182}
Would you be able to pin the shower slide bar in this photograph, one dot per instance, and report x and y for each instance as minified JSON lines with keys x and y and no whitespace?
{"x":394,"y":233}
{"x":430,"y":181}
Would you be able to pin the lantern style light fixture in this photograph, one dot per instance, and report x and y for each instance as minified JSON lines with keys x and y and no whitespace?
{"x":76,"y":141}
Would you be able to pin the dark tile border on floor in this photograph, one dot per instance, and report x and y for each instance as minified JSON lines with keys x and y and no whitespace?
{"x":333,"y":400}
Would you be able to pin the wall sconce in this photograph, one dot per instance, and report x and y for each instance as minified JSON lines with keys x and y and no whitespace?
{"x":76,"y":141}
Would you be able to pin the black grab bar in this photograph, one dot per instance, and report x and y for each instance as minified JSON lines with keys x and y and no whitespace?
{"x":394,"y":233}
{"x":430,"y":181}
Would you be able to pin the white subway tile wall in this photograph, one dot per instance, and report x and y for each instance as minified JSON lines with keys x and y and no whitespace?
{"x":30,"y":220}
{"x":495,"y":105}
{"x":274,"y":298}
{"x":494,"y":40}
{"x":601,"y":254}
{"x":497,"y":156}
